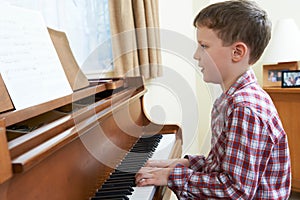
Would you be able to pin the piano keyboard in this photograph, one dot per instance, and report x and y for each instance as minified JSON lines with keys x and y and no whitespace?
{"x":121,"y":183}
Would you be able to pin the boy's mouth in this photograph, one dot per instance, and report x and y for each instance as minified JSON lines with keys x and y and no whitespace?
{"x":201,"y":68}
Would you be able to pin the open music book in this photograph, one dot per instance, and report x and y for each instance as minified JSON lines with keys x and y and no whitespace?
{"x":29,"y":65}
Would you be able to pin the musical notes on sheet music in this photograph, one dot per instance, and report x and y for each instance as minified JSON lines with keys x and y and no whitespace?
{"x":29,"y":64}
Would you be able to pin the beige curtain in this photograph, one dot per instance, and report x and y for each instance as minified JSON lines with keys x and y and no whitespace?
{"x":135,"y":38}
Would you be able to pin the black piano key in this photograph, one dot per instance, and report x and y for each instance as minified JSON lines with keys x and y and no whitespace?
{"x":136,"y":156}
{"x":127,"y":178}
{"x":127,"y":187}
{"x":112,"y":181}
{"x":132,"y":163}
{"x":121,"y":173}
{"x":132,"y":166}
{"x":115,"y":197}
{"x":131,"y":160}
{"x":112,"y":192}
{"x":111,"y":185}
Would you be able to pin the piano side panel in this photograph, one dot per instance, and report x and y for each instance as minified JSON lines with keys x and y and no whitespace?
{"x":163,"y":192}
{"x":5,"y":161}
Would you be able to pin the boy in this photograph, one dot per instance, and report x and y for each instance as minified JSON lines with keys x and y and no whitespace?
{"x":249,"y":156}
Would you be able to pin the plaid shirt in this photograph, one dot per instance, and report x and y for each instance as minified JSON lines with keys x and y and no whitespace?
{"x":249,"y":158}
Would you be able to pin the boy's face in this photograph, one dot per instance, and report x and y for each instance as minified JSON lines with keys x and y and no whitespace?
{"x":213,"y":58}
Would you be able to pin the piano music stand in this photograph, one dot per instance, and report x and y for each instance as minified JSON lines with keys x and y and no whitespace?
{"x":5,"y":102}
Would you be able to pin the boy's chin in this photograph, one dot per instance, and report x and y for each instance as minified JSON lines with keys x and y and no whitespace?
{"x":210,"y":80}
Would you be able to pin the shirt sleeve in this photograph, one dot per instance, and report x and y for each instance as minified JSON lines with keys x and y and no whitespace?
{"x":196,"y":162}
{"x":247,"y":149}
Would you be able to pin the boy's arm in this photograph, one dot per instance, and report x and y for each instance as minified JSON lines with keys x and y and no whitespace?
{"x":196,"y":162}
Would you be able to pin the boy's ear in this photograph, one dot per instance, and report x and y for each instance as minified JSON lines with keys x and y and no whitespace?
{"x":239,"y":50}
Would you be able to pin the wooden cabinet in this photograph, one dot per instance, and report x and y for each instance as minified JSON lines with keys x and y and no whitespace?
{"x":287,"y":102}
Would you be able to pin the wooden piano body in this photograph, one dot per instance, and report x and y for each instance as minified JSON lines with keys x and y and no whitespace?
{"x":72,"y":144}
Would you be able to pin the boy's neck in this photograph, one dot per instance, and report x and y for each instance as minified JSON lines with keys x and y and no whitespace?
{"x":228,"y":83}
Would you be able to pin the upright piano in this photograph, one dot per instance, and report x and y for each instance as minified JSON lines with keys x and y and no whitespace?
{"x":70,"y":148}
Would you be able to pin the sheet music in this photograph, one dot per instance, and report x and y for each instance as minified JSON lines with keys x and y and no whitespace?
{"x":29,"y":64}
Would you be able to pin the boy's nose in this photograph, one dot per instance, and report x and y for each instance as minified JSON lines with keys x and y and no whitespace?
{"x":196,"y":55}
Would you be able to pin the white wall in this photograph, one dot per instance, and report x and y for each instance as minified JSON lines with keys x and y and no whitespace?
{"x":277,"y":10}
{"x":180,"y":96}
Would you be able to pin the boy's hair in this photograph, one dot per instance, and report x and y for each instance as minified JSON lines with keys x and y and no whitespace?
{"x":238,"y":21}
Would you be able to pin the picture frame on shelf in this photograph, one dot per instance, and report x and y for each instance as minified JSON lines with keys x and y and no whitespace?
{"x":272,"y":74}
{"x":290,"y":79}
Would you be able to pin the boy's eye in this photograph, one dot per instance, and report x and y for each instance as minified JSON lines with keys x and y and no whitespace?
{"x":203,"y":46}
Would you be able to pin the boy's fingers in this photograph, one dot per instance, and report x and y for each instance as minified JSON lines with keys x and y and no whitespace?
{"x":145,"y":182}
{"x":142,"y":177}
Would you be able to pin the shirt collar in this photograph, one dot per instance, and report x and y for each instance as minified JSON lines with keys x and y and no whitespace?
{"x":247,"y":78}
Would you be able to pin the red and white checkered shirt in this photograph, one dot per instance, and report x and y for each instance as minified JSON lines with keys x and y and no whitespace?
{"x":249,"y":156}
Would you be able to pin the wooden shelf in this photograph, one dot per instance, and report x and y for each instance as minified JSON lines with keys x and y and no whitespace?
{"x":281,"y":90}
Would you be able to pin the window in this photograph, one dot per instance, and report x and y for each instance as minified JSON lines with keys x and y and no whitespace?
{"x":86,"y":24}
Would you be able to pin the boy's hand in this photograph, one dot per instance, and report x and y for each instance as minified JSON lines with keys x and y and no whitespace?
{"x":152,"y":176}
{"x":156,"y":172}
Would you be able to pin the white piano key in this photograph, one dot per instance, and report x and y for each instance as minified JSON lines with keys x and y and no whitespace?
{"x":164,"y":147}
{"x":145,"y":193}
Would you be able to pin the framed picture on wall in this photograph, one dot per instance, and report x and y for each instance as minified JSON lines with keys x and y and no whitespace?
{"x":272,"y":74}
